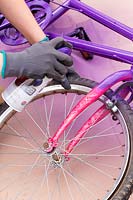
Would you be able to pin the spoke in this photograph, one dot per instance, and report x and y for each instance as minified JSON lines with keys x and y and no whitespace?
{"x":93,"y":120}
{"x":33,"y":165}
{"x":51,"y":108}
{"x":30,"y":116}
{"x":103,"y":164}
{"x":73,"y":122}
{"x":43,"y":122}
{"x":69,"y":190}
{"x":46,"y":177}
{"x":46,"y":115}
{"x":25,"y":140}
{"x":11,"y":134}
{"x":90,"y":165}
{"x":107,"y":150}
{"x":95,"y":154}
{"x":87,"y":130}
{"x":18,"y":175}
{"x":15,"y":146}
{"x":86,"y":182}
{"x":79,"y":183}
{"x":73,"y":101}
{"x":65,"y":114}
{"x":34,"y":189}
{"x":21,"y":192}
{"x":48,"y":118}
{"x":24,"y":165}
{"x":19,"y":153}
{"x":57,"y":183}
{"x":14,"y":178}
{"x":65,"y":136}
{"x":95,"y":134}
{"x":71,"y":126}
{"x":42,"y":181}
{"x":29,"y":133}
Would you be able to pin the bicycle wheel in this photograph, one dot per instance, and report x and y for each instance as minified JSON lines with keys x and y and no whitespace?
{"x":99,"y":167}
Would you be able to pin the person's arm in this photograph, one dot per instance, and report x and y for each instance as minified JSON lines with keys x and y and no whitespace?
{"x":19,"y":15}
{"x":40,"y":59}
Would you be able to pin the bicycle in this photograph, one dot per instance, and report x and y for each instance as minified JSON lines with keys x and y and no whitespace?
{"x":63,"y":149}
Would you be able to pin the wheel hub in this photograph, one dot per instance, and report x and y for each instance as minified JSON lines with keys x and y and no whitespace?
{"x":56,"y":157}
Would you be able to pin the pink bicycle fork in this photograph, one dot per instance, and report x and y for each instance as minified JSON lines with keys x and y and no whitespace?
{"x":90,"y":98}
{"x":95,"y":118}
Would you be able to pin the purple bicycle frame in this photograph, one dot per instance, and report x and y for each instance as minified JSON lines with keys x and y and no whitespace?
{"x":101,"y":50}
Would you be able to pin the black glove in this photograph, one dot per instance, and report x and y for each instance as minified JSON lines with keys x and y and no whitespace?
{"x":39,"y":60}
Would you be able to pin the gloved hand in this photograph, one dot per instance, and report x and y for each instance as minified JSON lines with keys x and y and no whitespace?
{"x":39,"y":60}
